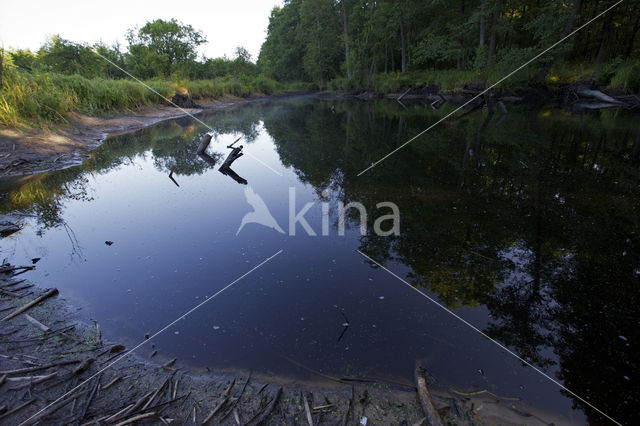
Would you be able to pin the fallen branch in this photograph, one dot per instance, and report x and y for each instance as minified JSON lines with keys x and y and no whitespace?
{"x":37,"y":323}
{"x":37,"y":368}
{"x":49,"y":293}
{"x":306,"y":409}
{"x":136,"y":418}
{"x":90,"y":399}
{"x":18,"y":408}
{"x":265,"y":414}
{"x":433,"y":418}
{"x":85,"y":364}
{"x":52,"y":409}
{"x":225,"y":398}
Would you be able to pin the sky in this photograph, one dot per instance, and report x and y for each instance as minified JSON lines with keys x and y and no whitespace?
{"x":225,"y":23}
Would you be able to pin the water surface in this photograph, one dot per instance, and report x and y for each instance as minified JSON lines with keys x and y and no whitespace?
{"x":526,"y":227}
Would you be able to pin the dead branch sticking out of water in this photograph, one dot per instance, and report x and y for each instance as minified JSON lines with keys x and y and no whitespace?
{"x":433,"y":418}
{"x":49,"y":293}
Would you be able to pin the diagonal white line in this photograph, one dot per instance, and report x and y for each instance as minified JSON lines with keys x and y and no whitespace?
{"x":488,"y":88}
{"x":175,"y":105}
{"x":489,"y":338}
{"x":166,"y":327}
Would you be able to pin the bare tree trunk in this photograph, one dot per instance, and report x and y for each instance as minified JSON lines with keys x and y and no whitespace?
{"x":386,"y":56}
{"x":494,"y":33}
{"x":346,"y":39}
{"x":483,"y":7}
{"x":393,"y":61}
{"x":461,"y":38}
{"x":403,"y":43}
{"x":577,"y":5}
{"x":319,"y":49}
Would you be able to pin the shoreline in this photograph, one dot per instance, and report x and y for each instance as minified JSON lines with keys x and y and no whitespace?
{"x":30,"y":151}
{"x":43,"y":360}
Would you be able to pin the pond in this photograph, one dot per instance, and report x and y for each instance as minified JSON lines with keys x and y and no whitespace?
{"x":525,"y":226}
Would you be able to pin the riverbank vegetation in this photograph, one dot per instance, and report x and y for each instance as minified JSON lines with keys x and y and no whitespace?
{"x":338,"y":45}
{"x":64,"y":76}
{"x":388,"y":45}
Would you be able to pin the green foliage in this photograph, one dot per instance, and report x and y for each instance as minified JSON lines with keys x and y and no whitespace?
{"x":627,"y":76}
{"x":66,"y":57}
{"x":162,"y":45}
{"x":23,"y":59}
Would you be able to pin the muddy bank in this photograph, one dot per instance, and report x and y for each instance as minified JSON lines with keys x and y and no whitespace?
{"x":28,"y":151}
{"x":50,"y":355}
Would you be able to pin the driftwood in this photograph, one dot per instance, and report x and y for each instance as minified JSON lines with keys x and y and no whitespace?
{"x":225,"y":398}
{"x":596,"y":94}
{"x":265,"y":414}
{"x":235,"y":403}
{"x":136,"y":418}
{"x":306,"y":409}
{"x":50,"y":293}
{"x":52,"y":409}
{"x":90,"y":399}
{"x":38,"y":368}
{"x":37,"y":323}
{"x":34,"y":380}
{"x":18,"y":408}
{"x":82,"y":367}
{"x":433,"y":418}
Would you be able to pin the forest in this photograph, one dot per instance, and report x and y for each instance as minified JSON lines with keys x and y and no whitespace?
{"x":387,"y":44}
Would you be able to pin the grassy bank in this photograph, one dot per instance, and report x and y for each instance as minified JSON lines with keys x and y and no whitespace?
{"x":41,"y":98}
{"x":619,"y":75}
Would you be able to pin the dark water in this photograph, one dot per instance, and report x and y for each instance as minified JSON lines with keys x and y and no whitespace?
{"x":527,"y":228}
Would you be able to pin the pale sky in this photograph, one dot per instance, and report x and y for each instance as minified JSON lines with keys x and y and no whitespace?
{"x":226,"y":24}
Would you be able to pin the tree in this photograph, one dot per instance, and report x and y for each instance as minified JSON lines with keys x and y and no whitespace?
{"x":66,"y":57}
{"x":163,"y":46}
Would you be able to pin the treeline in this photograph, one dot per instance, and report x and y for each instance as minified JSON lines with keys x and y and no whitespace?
{"x":158,"y":49}
{"x":64,"y":76}
{"x":348,"y":44}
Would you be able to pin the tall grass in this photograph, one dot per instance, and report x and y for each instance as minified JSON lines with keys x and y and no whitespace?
{"x":47,"y":97}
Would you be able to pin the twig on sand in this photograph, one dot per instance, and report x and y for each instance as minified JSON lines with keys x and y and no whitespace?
{"x":235,"y":403}
{"x":49,"y":293}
